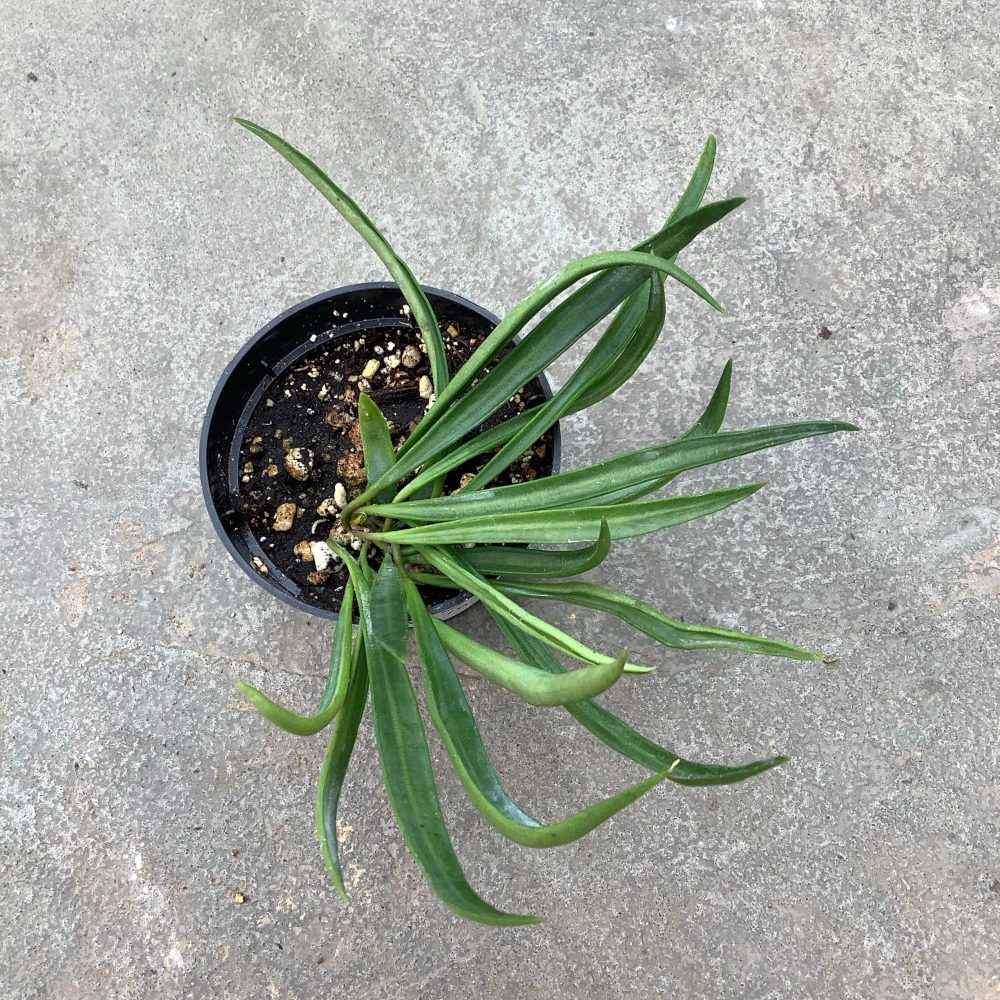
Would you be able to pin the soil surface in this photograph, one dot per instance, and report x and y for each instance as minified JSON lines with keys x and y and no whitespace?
{"x":301,"y":460}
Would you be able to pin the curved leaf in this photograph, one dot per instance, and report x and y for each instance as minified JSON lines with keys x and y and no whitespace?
{"x":405,"y":759}
{"x":336,"y":684}
{"x":519,"y":561}
{"x":348,"y":208}
{"x":644,"y":617}
{"x":527,"y":683}
{"x":709,"y":422}
{"x":625,"y":740}
{"x":335,"y":764}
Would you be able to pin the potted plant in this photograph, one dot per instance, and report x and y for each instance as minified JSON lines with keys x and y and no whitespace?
{"x":423,"y":429}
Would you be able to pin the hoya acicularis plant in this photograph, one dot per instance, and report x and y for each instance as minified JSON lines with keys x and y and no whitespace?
{"x":479,"y":540}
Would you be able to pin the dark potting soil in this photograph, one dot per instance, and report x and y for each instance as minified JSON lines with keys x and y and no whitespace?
{"x":302,"y":450}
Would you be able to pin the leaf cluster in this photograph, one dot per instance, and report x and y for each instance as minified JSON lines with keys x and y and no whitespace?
{"x":478,"y":540}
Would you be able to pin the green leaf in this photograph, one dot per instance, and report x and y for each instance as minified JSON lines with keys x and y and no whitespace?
{"x":335,"y":764}
{"x":698,"y":185}
{"x":589,"y":485}
{"x":625,"y":740}
{"x":454,"y":568}
{"x":644,"y":617}
{"x":633,"y":353}
{"x":456,"y":724}
{"x":528,"y":357}
{"x":519,"y":561}
{"x":376,"y":441}
{"x":578,"y":524}
{"x":336,"y":684}
{"x":710,"y":421}
{"x":594,"y":367}
{"x":589,"y":305}
{"x":405,"y":759}
{"x":527,"y":683}
{"x":348,"y":208}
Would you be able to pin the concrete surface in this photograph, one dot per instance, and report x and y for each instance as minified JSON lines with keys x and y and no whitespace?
{"x":144,"y":237}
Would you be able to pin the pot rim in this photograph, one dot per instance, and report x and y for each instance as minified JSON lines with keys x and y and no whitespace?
{"x":444,"y":609}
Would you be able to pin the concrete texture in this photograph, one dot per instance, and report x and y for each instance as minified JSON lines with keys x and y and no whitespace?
{"x":144,"y":237}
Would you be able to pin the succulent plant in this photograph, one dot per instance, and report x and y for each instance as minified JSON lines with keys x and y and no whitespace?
{"x":479,"y":539}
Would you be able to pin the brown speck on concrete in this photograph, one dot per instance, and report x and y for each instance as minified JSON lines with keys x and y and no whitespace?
{"x":825,"y":333}
{"x":32,"y":78}
{"x":995,"y":886}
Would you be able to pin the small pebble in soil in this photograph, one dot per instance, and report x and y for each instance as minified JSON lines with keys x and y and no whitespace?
{"x":338,"y":418}
{"x":303,"y":550}
{"x":351,"y":468}
{"x":284,"y":517}
{"x":340,"y":495}
{"x":371,"y":368}
{"x":271,"y":470}
{"x":257,"y":446}
{"x":322,"y":555}
{"x":318,"y":577}
{"x":326,"y":507}
{"x":258,"y":564}
{"x":298,"y":463}
{"x":411,"y":356}
{"x":425,"y":387}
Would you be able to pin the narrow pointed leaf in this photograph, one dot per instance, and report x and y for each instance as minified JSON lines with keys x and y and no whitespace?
{"x":519,"y":561}
{"x":376,"y":441}
{"x":348,"y":208}
{"x":633,"y":353}
{"x":647,"y":333}
{"x":527,"y":359}
{"x":336,"y":684}
{"x":710,"y":421}
{"x":588,"y":485}
{"x":698,"y":185}
{"x":405,"y":759}
{"x":585,"y":308}
{"x":580,"y":524}
{"x":645,"y":618}
{"x":625,"y":740}
{"x":335,"y":764}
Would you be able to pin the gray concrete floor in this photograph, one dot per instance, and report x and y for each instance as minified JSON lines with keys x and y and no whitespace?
{"x":144,"y":237}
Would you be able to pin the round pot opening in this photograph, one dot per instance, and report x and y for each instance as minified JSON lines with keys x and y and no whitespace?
{"x":332,"y":322}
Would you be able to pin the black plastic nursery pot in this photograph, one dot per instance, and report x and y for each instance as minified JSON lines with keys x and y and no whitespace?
{"x":275,"y":362}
